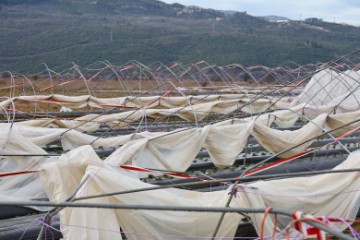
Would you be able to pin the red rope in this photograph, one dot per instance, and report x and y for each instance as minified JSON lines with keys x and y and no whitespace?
{"x":140,"y":169}
{"x":285,"y":160}
{"x":16,"y":85}
{"x":116,"y":106}
{"x":165,"y":95}
{"x":53,"y":86}
{"x":277,"y":163}
{"x":16,"y":173}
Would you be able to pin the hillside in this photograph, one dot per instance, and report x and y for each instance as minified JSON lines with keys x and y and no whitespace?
{"x":85,"y":31}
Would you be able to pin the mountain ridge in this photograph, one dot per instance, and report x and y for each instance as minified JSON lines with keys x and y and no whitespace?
{"x":61,"y":31}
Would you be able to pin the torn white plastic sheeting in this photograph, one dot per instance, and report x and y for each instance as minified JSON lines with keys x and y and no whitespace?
{"x":175,"y":151}
{"x":327,"y":85}
{"x":313,"y":195}
{"x":86,"y":123}
{"x":91,"y":122}
{"x":225,"y":143}
{"x":69,"y":138}
{"x":335,"y":120}
{"x":276,"y":141}
{"x":329,"y":195}
{"x":21,"y":187}
{"x":129,"y":101}
{"x":97,"y":224}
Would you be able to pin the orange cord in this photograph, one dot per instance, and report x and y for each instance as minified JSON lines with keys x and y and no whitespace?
{"x":266,"y":213}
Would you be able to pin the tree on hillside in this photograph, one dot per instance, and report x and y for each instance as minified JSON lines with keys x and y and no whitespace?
{"x":10,"y":2}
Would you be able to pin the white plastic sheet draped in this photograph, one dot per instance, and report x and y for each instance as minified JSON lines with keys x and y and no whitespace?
{"x":276,"y":141}
{"x":22,"y":187}
{"x":336,"y":120}
{"x":224,"y":143}
{"x":313,"y":195}
{"x":137,"y":102}
{"x":166,"y":152}
{"x":330,"y":88}
{"x":92,"y":122}
{"x":176,"y":150}
{"x":328,"y":195}
{"x":328,"y":85}
{"x":69,"y":138}
{"x":86,"y":123}
{"x":325,"y":91}
{"x":136,"y":224}
{"x":284,"y":118}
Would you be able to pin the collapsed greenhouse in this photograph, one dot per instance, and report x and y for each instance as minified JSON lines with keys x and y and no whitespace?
{"x":181,"y":152}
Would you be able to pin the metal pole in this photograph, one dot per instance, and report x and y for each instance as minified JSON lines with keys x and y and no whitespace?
{"x":172,"y":208}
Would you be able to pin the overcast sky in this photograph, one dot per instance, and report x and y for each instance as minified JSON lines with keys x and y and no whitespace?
{"x":329,"y":10}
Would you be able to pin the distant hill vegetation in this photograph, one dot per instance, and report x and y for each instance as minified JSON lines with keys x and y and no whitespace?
{"x":275,"y":18}
{"x":57,"y":32}
{"x":12,"y":2}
